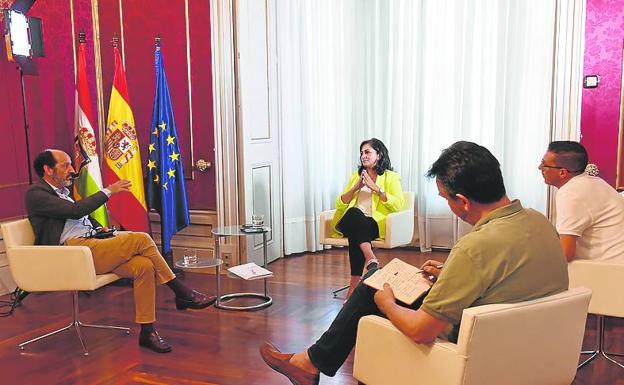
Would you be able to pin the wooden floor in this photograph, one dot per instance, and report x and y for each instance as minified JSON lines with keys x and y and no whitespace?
{"x":210,"y":346}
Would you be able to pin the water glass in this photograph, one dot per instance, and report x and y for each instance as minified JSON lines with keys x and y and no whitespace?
{"x":257,"y":220}
{"x":189,"y":257}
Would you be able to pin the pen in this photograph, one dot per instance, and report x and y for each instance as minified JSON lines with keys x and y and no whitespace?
{"x":431,"y":276}
{"x":436,"y":266}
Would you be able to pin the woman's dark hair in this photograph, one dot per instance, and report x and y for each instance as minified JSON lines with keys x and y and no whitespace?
{"x":471,"y":170}
{"x":383,"y":163}
{"x":45,"y":158}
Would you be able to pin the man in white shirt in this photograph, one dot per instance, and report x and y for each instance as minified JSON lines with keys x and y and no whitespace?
{"x":590,"y":213}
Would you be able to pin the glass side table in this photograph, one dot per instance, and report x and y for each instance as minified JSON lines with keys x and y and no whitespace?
{"x":222,"y":300}
{"x":202,"y":263}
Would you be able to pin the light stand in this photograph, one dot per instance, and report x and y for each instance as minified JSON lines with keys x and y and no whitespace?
{"x":31,"y":27}
{"x":20,"y":294}
{"x":30,"y":181}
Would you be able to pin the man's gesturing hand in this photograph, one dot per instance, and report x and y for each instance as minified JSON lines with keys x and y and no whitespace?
{"x":119,"y":186}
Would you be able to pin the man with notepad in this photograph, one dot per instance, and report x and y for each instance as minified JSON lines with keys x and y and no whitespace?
{"x":511,"y":255}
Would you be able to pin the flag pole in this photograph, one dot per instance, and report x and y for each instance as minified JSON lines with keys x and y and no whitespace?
{"x":122,"y":155}
{"x":167,"y":255}
{"x":166,"y":192}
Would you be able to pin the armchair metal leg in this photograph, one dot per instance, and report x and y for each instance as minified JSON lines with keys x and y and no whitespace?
{"x":80,"y":338}
{"x":21,"y":346}
{"x":600,"y":346}
{"x":608,"y":357}
{"x":594,"y":353}
{"x":126,"y":330}
{"x":335,"y":292}
{"x":77,"y":324}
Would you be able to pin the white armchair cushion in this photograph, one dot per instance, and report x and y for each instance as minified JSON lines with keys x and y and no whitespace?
{"x":534,"y":342}
{"x":384,"y":355}
{"x":49,"y":268}
{"x":606,"y":280}
{"x":52,"y":268}
{"x":399,"y":227}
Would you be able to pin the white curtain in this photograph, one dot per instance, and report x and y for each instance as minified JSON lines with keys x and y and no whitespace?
{"x":419,"y":75}
{"x":568,"y":78}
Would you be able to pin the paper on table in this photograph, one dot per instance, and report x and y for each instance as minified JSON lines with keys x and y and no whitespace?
{"x":252,"y":229}
{"x":406,"y":281}
{"x":250,"y":271}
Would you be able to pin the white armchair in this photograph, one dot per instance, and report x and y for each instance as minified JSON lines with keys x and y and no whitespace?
{"x":399,"y":229}
{"x":535,"y":342}
{"x":53,"y":268}
{"x":605,"y":279}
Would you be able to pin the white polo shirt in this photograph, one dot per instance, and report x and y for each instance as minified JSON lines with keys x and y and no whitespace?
{"x":589,"y":208}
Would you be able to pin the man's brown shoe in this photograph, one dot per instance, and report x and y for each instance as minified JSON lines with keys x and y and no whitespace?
{"x":197,"y":300}
{"x":280,"y":362}
{"x":152,"y":340}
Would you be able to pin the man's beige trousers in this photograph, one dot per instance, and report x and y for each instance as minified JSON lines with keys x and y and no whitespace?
{"x":131,"y":255}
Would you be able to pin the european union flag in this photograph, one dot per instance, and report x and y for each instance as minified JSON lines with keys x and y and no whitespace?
{"x":166,"y":192}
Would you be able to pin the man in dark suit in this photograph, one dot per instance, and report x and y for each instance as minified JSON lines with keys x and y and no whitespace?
{"x":58,"y":220}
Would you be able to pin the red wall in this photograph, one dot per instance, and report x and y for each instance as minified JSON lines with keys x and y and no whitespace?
{"x":49,"y":102}
{"x":167,"y":19}
{"x":600,"y":112}
{"x":51,"y":94}
{"x":14,"y":175}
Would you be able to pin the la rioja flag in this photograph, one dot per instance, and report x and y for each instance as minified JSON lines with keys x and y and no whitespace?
{"x":86,"y":160}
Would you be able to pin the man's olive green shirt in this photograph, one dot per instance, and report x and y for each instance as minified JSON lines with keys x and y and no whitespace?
{"x":511,"y":255}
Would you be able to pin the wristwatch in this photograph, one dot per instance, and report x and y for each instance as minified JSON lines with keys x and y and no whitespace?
{"x":381,"y":191}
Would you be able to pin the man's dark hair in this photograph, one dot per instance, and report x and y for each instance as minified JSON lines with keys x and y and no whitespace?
{"x":471,"y":170}
{"x":45,"y":158}
{"x":384,"y":158}
{"x":570,"y":155}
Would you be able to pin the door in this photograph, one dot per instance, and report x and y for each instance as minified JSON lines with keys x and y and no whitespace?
{"x":258,"y":128}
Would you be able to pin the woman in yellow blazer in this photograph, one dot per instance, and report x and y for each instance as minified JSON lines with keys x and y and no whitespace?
{"x":373,"y":192}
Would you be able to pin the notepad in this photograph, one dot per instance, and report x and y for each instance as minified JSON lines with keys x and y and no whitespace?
{"x":250,"y":271}
{"x":407,"y":281}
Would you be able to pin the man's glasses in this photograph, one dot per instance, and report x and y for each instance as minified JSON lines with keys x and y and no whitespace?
{"x":542,"y":165}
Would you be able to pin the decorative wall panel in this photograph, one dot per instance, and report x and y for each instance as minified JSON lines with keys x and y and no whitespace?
{"x":261,"y":180}
{"x":600,"y":113}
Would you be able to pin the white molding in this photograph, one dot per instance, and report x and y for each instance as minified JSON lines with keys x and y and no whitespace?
{"x":225,"y":120}
{"x":224,"y":86}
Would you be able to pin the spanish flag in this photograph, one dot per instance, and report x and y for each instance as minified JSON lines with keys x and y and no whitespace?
{"x":122,"y":157}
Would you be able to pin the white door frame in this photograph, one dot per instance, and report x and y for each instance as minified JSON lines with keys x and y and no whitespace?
{"x":245,"y":180}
